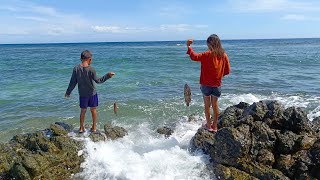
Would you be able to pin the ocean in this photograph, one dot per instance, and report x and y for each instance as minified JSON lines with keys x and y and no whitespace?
{"x":148,"y":88}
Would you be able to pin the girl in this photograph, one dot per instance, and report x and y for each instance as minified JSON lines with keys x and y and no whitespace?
{"x":214,"y":65}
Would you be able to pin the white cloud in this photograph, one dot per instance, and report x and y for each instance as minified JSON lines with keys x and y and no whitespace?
{"x":32,"y":18}
{"x":273,"y":5}
{"x":164,"y":28}
{"x":47,"y":20}
{"x":176,"y":27}
{"x":108,"y":29}
{"x":294,"y":17}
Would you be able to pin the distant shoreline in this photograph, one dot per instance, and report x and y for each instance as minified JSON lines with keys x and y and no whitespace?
{"x":115,"y":42}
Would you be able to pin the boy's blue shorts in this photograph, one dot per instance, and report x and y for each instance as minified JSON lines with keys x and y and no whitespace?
{"x":210,"y":91}
{"x":91,"y":101}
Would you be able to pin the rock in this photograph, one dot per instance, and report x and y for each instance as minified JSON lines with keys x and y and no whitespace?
{"x":231,"y":115}
{"x":266,"y":158}
{"x":257,"y":110}
{"x":19,"y":172}
{"x":165,"y":130}
{"x":296,"y":121}
{"x":284,"y":164}
{"x":263,"y":138}
{"x":114,"y":132}
{"x":274,"y":116}
{"x":95,"y":137}
{"x":38,"y":156}
{"x":58,"y":130}
{"x":231,"y":173}
{"x":260,"y":171}
{"x":285,"y":142}
{"x":203,"y":140}
{"x":305,"y":142}
{"x":65,"y":126}
{"x":263,"y":141}
{"x":230,"y":145}
{"x":302,"y":163}
{"x":315,"y":153}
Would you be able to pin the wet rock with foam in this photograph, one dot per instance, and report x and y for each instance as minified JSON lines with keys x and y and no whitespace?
{"x":262,"y":140}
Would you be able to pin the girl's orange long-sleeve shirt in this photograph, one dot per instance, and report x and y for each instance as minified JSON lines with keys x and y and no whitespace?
{"x":213,"y":68}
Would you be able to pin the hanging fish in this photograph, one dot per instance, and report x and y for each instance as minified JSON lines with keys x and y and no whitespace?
{"x":115,"y":108}
{"x":187,"y":94}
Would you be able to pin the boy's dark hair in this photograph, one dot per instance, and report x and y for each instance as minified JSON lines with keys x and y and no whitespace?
{"x":86,"y":54}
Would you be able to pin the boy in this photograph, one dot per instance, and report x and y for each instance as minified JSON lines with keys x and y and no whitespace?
{"x":84,"y":75}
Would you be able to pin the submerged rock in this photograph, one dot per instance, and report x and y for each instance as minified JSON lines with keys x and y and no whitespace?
{"x":114,"y":132}
{"x":165,"y":130}
{"x":262,"y":141}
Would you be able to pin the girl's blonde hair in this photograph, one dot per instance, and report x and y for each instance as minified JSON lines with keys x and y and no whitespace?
{"x":214,"y":45}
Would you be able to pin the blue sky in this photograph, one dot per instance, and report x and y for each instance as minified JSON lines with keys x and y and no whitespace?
{"x":47,"y":21}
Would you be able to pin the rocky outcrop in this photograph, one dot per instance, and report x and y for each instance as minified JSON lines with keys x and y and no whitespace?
{"x":48,"y":154}
{"x":262,"y":140}
{"x":114,"y":132}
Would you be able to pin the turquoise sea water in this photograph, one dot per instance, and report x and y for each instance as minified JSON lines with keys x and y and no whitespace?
{"x":148,"y":86}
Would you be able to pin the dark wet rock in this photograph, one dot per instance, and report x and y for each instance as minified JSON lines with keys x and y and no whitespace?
{"x":263,"y":138}
{"x":203,"y":140}
{"x":230,"y":145}
{"x":58,"y":130}
{"x":305,"y":142}
{"x":95,"y":137}
{"x":266,"y":158}
{"x":257,"y":110}
{"x":231,"y":173}
{"x":231,"y":115}
{"x":165,"y":130}
{"x":39,"y":156}
{"x":286,"y":142}
{"x":264,"y":141}
{"x":65,"y":126}
{"x":114,"y":132}
{"x":296,"y":121}
{"x":284,"y":164}
{"x":315,"y":153}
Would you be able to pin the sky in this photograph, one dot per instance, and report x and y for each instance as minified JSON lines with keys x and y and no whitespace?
{"x":47,"y":21}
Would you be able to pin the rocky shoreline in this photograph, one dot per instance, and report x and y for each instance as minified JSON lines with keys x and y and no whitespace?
{"x":48,"y":154}
{"x":263,"y":140}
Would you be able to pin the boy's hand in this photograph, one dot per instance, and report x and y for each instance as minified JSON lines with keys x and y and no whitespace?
{"x":66,"y":95}
{"x":189,"y":42}
{"x":110,"y":74}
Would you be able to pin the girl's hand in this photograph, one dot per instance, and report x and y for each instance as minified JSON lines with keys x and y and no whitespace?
{"x":110,"y":74}
{"x":189,"y":42}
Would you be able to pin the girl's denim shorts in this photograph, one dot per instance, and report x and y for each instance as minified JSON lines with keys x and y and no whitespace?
{"x":210,"y":91}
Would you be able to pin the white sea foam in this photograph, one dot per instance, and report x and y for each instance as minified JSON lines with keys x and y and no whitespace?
{"x":145,"y":155}
{"x":307,"y":102}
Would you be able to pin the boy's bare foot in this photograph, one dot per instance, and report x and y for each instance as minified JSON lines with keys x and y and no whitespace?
{"x":93,"y":130}
{"x":81,"y":130}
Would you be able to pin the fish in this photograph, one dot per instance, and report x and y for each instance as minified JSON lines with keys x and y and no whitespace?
{"x":187,"y":94}
{"x":115,"y":108}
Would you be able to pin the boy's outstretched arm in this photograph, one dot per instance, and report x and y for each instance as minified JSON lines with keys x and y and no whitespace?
{"x":72,"y":84}
{"x":103,"y":78}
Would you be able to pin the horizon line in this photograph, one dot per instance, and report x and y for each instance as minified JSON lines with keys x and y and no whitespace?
{"x":93,"y":42}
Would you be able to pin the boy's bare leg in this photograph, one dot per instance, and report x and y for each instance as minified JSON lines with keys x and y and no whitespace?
{"x":207,"y":104}
{"x":94,"y":118}
{"x":214,"y":101}
{"x":82,"y":116}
